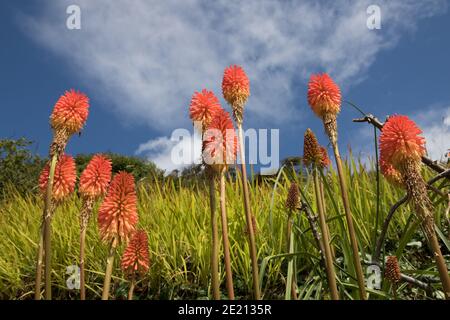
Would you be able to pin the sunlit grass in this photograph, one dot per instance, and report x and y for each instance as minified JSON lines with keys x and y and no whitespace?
{"x":176,"y":218}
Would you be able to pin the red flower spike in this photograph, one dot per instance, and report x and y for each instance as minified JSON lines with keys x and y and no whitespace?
{"x":235,"y":85}
{"x":203,"y":106}
{"x":70,"y":112}
{"x":95,"y":178}
{"x":220,"y":141}
{"x":324,"y":95}
{"x":135,"y":258}
{"x":64,"y":179}
{"x":400,"y":140}
{"x":117,"y":216}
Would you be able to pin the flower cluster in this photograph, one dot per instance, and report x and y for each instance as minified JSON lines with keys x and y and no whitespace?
{"x":117,"y":216}
{"x":135,"y":259}
{"x":64,"y":179}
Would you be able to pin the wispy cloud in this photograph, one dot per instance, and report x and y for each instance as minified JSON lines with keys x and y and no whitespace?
{"x":172,"y":153}
{"x":146,"y":58}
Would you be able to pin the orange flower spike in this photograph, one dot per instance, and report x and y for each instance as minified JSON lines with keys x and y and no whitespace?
{"x":236,"y":89}
{"x":135,"y":258}
{"x":324,"y":95}
{"x":70,"y":112}
{"x":220,"y":142}
{"x":64,"y":180}
{"x":203,"y":106}
{"x":117,"y":216}
{"x":95,"y":178}
{"x":400,"y":140}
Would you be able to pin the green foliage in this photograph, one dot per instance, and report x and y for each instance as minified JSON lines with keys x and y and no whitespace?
{"x":140,"y":168}
{"x":176,"y":218}
{"x":18,"y":166}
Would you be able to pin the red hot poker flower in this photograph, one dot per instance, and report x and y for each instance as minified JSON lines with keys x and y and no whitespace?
{"x":70,"y":112}
{"x":400,"y":140}
{"x":135,"y":258}
{"x":64,"y":179}
{"x":236,"y":89}
{"x":220,"y":142}
{"x":324,"y":95}
{"x":117,"y":216}
{"x":95,"y":178}
{"x":203,"y":106}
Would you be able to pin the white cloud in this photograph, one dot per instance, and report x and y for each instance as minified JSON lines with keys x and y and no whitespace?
{"x":176,"y":152}
{"x":435,"y":123}
{"x":148,"y":57}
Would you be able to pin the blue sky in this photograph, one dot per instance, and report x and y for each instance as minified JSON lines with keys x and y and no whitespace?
{"x":141,"y":63}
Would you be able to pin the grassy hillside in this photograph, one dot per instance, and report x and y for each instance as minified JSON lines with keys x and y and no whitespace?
{"x":176,"y":218}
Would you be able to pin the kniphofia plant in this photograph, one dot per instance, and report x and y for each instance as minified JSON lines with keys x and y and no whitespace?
{"x":324,"y":97}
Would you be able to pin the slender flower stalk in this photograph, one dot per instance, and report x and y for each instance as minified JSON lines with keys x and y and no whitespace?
{"x":219,"y":150}
{"x":236,"y":90}
{"x":135,"y":259}
{"x":402,"y":147}
{"x":215,"y":283}
{"x":202,"y":108}
{"x":117,"y":219}
{"x":94,"y":182}
{"x":324,"y":97}
{"x":204,"y":105}
{"x":292,"y":205}
{"x":313,"y":156}
{"x":324,"y":163}
{"x":56,"y":183}
{"x":68,"y":117}
{"x":226,"y":241}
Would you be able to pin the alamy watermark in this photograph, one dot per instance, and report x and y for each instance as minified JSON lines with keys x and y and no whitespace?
{"x":73,"y":21}
{"x":373,"y":21}
{"x":73,"y":281}
{"x":262,"y":148}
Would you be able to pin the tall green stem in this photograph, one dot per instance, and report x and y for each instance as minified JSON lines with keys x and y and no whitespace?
{"x":39,"y":262}
{"x":226,"y":242}
{"x":349,"y":218}
{"x":82,"y":270}
{"x":331,"y":274}
{"x":132,"y":285}
{"x":290,"y":249}
{"x":215,"y":241}
{"x":428,"y":224}
{"x":109,"y":269}
{"x":248,"y":216}
{"x":47,"y":229}
{"x":322,"y":199}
